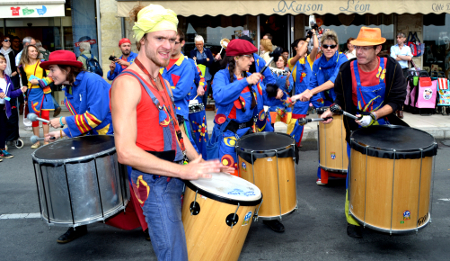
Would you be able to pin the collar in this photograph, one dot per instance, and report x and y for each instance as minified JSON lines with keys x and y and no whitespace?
{"x":78,"y":79}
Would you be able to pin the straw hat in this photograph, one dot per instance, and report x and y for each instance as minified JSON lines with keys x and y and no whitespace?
{"x":368,"y":36}
{"x":61,"y":57}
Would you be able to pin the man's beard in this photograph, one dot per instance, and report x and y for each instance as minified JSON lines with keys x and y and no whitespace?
{"x":126,"y":53}
{"x":156,"y":62}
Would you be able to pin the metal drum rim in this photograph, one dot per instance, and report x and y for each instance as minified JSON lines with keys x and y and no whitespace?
{"x":210,"y":195}
{"x":264,"y":134}
{"x":74,"y":160}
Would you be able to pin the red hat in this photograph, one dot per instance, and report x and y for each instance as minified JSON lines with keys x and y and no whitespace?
{"x":61,"y":57}
{"x":238,"y":47}
{"x":124,"y":40}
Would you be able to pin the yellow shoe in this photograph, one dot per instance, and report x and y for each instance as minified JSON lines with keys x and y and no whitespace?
{"x":36,"y":145}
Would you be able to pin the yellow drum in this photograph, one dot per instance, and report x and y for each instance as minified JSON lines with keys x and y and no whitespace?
{"x":217,"y":214}
{"x":267,"y":160}
{"x":332,"y":145}
{"x":390,"y":178}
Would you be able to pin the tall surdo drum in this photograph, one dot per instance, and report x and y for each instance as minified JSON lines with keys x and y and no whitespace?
{"x":79,"y":181}
{"x":217,"y":214}
{"x":332,"y":144}
{"x":267,"y":160}
{"x":390,"y":178}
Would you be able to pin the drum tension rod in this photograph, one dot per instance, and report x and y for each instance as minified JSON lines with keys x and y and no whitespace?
{"x":234,"y":216}
{"x":255,"y":217}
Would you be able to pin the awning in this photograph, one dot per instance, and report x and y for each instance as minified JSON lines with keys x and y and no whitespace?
{"x":29,"y":9}
{"x":270,"y":7}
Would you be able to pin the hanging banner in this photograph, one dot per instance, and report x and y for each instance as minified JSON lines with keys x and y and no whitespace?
{"x":29,"y":11}
{"x":84,"y":26}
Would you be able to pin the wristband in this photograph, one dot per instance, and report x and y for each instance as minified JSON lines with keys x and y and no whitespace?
{"x":60,"y":121}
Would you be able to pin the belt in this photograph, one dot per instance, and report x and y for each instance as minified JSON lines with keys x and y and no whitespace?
{"x":235,"y":126}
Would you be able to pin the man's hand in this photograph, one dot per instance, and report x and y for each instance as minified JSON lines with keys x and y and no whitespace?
{"x":2,"y":95}
{"x":200,"y":169}
{"x":34,"y":82}
{"x":218,"y":57}
{"x":367,"y":120}
{"x":122,"y":62}
{"x":112,"y":66}
{"x":23,"y":89}
{"x":306,"y":95}
{"x":327,"y":114}
{"x":200,"y":91}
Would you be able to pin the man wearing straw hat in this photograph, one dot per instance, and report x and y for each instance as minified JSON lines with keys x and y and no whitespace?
{"x":148,"y":137}
{"x":371,"y":86}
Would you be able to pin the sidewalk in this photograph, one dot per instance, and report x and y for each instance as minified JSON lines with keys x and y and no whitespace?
{"x":437,"y":125}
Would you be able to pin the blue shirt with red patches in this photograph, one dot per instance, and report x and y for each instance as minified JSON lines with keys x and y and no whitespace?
{"x":88,"y":102}
{"x":180,"y":77}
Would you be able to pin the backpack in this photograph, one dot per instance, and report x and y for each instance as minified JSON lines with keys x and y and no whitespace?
{"x":45,"y":54}
{"x":92,"y":65}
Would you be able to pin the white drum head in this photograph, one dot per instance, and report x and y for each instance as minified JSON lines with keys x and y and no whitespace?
{"x":228,"y":186}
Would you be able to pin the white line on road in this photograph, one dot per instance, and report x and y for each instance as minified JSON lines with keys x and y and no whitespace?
{"x":20,"y":215}
{"x":444,"y":199}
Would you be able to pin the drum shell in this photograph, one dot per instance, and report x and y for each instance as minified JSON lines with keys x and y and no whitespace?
{"x":380,"y":197}
{"x":208,"y":237}
{"x":333,"y":146}
{"x":273,"y":172}
{"x":390,"y":178}
{"x":81,"y":191}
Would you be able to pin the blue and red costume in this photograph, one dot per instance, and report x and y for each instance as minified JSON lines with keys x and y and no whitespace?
{"x":119,"y":68}
{"x":180,"y":74}
{"x":88,"y":102}
{"x":233,"y":103}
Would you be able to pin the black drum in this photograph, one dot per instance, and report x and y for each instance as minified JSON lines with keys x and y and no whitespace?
{"x":390,"y":178}
{"x":79,"y":181}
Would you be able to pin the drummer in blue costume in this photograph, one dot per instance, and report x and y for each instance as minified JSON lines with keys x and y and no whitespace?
{"x":198,"y":119}
{"x":240,"y":99}
{"x":300,"y":65}
{"x":371,"y":86}
{"x":324,"y":73}
{"x":263,"y":122}
{"x":180,"y":74}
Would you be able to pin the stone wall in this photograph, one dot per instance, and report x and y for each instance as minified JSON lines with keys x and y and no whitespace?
{"x":110,"y":31}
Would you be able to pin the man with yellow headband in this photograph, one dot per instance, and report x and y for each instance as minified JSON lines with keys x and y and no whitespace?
{"x":371,"y":86}
{"x":148,"y":137}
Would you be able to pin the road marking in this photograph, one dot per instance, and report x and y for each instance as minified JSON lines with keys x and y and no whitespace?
{"x":444,"y":199}
{"x":20,"y":215}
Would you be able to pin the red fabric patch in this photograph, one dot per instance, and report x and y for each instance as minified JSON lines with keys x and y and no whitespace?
{"x":175,"y":79}
{"x":171,"y":63}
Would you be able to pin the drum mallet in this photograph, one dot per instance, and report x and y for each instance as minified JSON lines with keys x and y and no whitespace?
{"x":34,"y":117}
{"x":35,"y":139}
{"x":338,"y":110}
{"x":303,"y":121}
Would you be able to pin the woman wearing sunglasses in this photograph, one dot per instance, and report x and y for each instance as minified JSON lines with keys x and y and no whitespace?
{"x":325,"y":70}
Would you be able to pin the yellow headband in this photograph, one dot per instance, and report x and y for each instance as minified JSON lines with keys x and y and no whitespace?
{"x":154,"y":18}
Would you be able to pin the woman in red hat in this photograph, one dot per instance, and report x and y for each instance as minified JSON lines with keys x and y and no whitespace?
{"x":37,"y":81}
{"x":240,"y":98}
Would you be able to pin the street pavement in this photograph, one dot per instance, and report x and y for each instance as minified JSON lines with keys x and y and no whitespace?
{"x":316,"y":231}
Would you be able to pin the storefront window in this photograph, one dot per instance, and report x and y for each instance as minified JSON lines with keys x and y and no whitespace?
{"x":347,"y":26}
{"x":436,"y":37}
{"x":214,"y":29}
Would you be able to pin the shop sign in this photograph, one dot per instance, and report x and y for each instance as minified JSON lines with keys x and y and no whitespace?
{"x":26,"y":11}
{"x":350,"y":6}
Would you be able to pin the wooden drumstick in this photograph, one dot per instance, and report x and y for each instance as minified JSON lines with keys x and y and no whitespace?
{"x":195,"y":97}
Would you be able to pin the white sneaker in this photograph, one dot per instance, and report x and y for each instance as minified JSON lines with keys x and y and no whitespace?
{"x":319,"y":182}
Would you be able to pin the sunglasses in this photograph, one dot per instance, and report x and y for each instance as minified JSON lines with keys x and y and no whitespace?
{"x":326,"y":46}
{"x":248,"y":55}
{"x":6,"y":40}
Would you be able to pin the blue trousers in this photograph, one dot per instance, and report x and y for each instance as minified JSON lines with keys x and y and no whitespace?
{"x":161,"y":197}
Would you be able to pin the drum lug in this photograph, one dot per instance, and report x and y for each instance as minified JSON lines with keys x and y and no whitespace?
{"x":194,"y":207}
{"x":255,"y":216}
{"x":232,"y":219}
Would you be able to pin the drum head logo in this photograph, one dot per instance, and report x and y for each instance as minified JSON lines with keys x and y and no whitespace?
{"x":247,"y":218}
{"x":244,"y":166}
{"x":427,"y":93}
{"x":333,"y":155}
{"x":406,"y":215}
